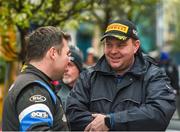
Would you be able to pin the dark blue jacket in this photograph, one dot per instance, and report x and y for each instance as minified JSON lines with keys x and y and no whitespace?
{"x":142,"y":99}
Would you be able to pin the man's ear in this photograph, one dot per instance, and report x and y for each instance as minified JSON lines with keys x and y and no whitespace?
{"x":52,"y":53}
{"x":136,"y":45}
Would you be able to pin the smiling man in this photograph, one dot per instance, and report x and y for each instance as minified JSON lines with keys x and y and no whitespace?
{"x":124,"y":90}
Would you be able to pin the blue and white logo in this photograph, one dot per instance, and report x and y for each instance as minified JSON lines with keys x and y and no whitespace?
{"x":38,"y":114}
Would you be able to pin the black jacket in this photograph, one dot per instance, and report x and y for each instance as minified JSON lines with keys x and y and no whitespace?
{"x":142,"y":99}
{"x":63,"y":92}
{"x":31,"y":104}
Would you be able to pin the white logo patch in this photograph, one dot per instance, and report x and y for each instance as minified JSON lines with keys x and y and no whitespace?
{"x":39,"y":115}
{"x":135,"y":32}
{"x":64,"y":118}
{"x":37,"y":98}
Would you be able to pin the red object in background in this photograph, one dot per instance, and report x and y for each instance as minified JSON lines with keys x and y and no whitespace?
{"x":55,"y":83}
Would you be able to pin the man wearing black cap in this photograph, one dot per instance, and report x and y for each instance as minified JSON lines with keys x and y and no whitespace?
{"x":124,"y":90}
{"x":71,"y":74}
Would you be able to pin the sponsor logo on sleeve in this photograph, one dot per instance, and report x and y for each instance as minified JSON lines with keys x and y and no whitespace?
{"x":39,"y":115}
{"x":37,"y":98}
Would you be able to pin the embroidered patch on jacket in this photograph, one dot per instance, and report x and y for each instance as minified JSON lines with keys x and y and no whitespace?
{"x":37,"y":98}
{"x":38,"y":114}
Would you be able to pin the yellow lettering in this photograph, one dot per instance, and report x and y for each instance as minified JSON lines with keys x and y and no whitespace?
{"x":117,"y":27}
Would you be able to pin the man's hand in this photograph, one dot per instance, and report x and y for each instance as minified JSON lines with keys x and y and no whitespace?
{"x":97,"y":124}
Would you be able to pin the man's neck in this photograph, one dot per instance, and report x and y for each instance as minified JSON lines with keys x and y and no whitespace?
{"x":40,"y":65}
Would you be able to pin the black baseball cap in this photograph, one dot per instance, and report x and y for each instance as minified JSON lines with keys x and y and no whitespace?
{"x":121,"y":29}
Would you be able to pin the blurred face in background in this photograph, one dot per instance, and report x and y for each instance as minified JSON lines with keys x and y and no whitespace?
{"x":90,"y":59}
{"x":71,"y":74}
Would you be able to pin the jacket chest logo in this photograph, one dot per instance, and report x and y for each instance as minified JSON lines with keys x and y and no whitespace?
{"x":37,"y":98}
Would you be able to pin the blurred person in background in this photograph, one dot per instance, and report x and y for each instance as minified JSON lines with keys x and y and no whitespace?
{"x":124,"y":90}
{"x":171,"y":69}
{"x":31,"y":104}
{"x":71,"y":74}
{"x":91,"y":58}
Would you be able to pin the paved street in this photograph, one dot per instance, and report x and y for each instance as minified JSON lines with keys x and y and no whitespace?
{"x":174,"y":125}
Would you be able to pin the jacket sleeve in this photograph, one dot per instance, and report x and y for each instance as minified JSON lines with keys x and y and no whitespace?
{"x":77,"y":104}
{"x":35,"y":109}
{"x":157,"y":110}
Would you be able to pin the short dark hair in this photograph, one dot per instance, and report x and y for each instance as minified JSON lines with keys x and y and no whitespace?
{"x":41,"y":40}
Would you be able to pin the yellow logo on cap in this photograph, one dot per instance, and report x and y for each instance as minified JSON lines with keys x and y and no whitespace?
{"x":117,"y":27}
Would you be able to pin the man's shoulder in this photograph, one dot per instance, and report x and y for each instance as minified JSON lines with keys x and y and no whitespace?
{"x":153,"y":69}
{"x":22,"y":81}
{"x":30,"y":83}
{"x":88,"y":71}
{"x":150,"y":60}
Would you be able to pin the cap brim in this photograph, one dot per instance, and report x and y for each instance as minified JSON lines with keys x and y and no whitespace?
{"x":120,"y":37}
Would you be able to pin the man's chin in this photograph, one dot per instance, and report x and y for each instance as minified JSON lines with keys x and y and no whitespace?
{"x":114,"y":66}
{"x":66,"y":81}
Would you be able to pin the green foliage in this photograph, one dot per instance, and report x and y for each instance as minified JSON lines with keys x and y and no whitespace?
{"x":23,"y":13}
{"x":68,"y":13}
{"x":41,"y":12}
{"x":58,"y":12}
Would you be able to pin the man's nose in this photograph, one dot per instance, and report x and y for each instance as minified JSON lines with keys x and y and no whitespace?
{"x":114,"y":49}
{"x":66,"y":68}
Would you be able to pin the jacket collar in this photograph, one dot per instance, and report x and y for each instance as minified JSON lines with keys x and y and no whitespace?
{"x":31,"y":69}
{"x":139,"y":67}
